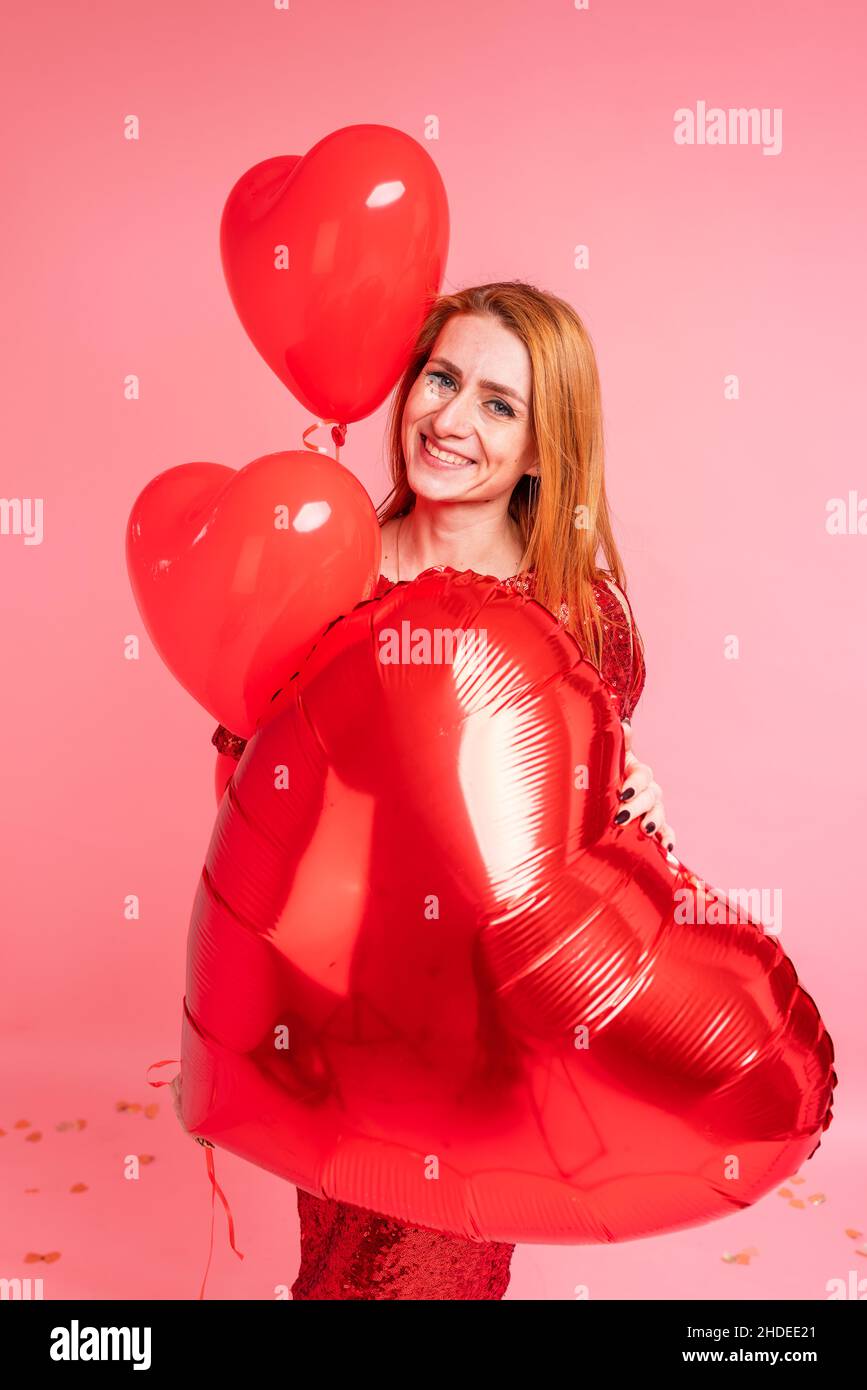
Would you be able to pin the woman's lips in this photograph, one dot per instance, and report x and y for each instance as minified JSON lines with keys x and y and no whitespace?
{"x":440,"y":463}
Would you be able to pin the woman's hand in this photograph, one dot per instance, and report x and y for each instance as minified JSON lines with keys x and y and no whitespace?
{"x":175,"y":1084}
{"x":643,"y":797}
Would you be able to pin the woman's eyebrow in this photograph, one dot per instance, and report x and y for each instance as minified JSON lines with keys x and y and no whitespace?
{"x":485,"y":385}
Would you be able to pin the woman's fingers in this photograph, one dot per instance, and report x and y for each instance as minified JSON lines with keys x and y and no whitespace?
{"x":635,"y":793}
{"x":646,"y":794}
{"x":653,"y":821}
{"x":641,"y":796}
{"x":176,"y":1098}
{"x":638,"y":777}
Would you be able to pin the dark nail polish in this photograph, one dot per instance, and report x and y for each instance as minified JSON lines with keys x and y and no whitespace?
{"x":621,"y":817}
{"x":651,"y":827}
{"x":624,"y":796}
{"x":670,"y":845}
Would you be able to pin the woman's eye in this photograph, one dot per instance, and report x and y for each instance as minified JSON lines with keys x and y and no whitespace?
{"x":439,"y":377}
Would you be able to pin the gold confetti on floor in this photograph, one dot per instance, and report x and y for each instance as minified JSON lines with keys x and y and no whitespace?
{"x":743,"y":1257}
{"x":32,"y":1257}
{"x":131,"y":1105}
{"x":797,"y":1180}
{"x":151,"y":1110}
{"x":783,"y":1192}
{"x":853,"y":1234}
{"x":31,"y":1189}
{"x":79,"y":1187}
{"x":796,"y":1202}
{"x":146,"y":1158}
{"x":33,"y":1137}
{"x":22,"y":1124}
{"x":817,"y":1199}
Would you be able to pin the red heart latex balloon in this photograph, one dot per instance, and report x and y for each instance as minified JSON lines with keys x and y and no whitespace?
{"x":332,"y":261}
{"x":428,"y":976}
{"x":235,"y":573}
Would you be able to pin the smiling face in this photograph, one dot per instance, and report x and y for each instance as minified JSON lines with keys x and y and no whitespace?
{"x":471,"y":403}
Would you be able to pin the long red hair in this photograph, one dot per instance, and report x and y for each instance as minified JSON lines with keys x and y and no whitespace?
{"x":563,"y":516}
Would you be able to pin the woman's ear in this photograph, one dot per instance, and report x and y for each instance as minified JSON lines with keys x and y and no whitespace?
{"x":533,"y":470}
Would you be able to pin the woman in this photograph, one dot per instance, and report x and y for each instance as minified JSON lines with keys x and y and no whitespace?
{"x":496,"y":454}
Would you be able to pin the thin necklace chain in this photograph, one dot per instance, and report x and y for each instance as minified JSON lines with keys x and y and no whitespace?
{"x":397,"y":553}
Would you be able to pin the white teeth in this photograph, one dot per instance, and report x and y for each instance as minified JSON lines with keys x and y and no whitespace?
{"x":446,"y":458}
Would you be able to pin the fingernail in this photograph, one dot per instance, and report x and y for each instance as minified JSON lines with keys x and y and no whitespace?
{"x":621,"y":817}
{"x":670,"y":845}
{"x":624,"y":796}
{"x":650,"y":827}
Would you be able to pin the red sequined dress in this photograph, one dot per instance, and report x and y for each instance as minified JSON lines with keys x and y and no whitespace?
{"x":349,"y":1253}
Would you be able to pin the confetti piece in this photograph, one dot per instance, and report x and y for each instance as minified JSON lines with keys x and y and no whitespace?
{"x":2,"y":1133}
{"x":65,"y":1124}
{"x":22,"y":1124}
{"x":79,"y":1187}
{"x":151,"y":1111}
{"x":817,"y":1199}
{"x":32,"y":1257}
{"x":852,"y":1234}
{"x":80,"y":1124}
{"x":796,"y":1202}
{"x":31,"y":1189}
{"x":783,"y":1192}
{"x":861,"y":1249}
{"x":797,"y":1180}
{"x":146,"y":1158}
{"x":131,"y":1105}
{"x":729,"y":1259}
{"x":742,"y":1259}
{"x":33,"y":1137}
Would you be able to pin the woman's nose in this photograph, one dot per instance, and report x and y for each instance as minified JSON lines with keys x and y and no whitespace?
{"x":452,"y":420}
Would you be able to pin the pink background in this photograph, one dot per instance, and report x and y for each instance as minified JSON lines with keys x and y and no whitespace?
{"x":556,"y":129}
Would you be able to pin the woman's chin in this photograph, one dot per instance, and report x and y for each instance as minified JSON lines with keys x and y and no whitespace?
{"x":439,"y":487}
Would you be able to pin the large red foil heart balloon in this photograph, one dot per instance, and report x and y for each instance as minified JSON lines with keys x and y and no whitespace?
{"x":235,"y":573}
{"x":428,"y":976}
{"x":332,"y":260}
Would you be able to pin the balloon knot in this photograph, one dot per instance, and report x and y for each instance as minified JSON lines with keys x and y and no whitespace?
{"x":338,"y":435}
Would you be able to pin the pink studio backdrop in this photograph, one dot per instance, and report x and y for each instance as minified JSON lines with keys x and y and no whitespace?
{"x":555,"y":130}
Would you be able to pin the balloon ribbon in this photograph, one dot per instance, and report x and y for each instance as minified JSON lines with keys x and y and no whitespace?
{"x":216,"y":1190}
